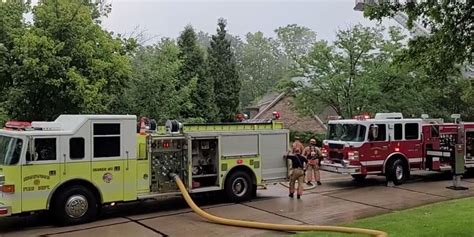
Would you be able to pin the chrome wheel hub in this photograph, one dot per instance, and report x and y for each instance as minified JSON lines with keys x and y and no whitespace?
{"x":239,"y":186}
{"x":399,"y":172}
{"x":76,"y":206}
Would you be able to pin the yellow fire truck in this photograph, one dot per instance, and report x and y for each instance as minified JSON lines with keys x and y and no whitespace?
{"x":75,"y":165}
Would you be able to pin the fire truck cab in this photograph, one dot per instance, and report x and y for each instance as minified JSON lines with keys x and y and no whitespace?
{"x":391,"y":145}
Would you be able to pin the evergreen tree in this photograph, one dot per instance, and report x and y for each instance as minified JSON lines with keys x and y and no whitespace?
{"x":222,"y":69}
{"x":192,"y":78}
{"x":192,"y":56}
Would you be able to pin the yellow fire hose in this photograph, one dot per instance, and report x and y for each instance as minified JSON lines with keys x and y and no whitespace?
{"x":269,"y":226}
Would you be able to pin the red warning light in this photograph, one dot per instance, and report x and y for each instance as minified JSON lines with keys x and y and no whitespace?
{"x":166,"y":144}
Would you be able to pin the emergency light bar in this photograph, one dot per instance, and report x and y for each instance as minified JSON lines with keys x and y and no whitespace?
{"x":362,"y":117}
{"x":19,"y":125}
{"x":334,"y":117}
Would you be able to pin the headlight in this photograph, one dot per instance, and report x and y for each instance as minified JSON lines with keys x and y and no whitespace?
{"x":353,"y":155}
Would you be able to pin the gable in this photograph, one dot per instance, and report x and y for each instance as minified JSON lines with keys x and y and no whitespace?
{"x":291,"y":118}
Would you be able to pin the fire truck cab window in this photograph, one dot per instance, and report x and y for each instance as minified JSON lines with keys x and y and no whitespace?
{"x":106,"y":140}
{"x":382,"y":132}
{"x":45,"y":149}
{"x":76,"y":148}
{"x":398,"y":132}
{"x":10,"y":150}
{"x":434,"y":131}
{"x":346,"y":132}
{"x":411,"y":131}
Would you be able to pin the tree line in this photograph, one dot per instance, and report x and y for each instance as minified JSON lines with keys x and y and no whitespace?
{"x":64,"y":61}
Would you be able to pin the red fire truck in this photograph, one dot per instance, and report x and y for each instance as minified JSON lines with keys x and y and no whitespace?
{"x":391,"y":145}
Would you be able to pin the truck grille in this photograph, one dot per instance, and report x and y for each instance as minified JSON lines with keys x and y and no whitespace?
{"x":336,"y":155}
{"x":335,"y":152}
{"x":335,"y":146}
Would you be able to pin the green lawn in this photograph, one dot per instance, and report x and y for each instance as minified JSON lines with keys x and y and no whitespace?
{"x":452,"y":218}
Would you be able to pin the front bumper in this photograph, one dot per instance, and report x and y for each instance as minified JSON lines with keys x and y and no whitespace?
{"x":339,"y":168}
{"x":5,"y":210}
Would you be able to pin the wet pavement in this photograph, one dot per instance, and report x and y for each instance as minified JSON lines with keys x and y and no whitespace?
{"x":339,"y":200}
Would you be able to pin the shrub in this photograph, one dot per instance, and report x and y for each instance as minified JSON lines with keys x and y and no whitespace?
{"x":306,"y":136}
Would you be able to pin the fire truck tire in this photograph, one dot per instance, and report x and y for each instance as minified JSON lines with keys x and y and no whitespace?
{"x":75,"y":205}
{"x":238,"y":186}
{"x":359,"y":177}
{"x":397,"y":172}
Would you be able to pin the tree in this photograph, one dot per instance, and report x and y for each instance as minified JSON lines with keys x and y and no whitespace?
{"x":192,"y":70}
{"x":356,"y":74}
{"x":192,"y":56}
{"x":260,"y":66}
{"x":296,"y":41}
{"x":203,"y":40}
{"x":66,"y":63}
{"x":222,"y":70}
{"x":451,"y":25}
{"x":11,"y":27}
{"x":201,"y":97}
{"x":156,"y":72}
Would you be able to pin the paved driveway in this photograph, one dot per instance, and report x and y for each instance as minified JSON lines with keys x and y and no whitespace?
{"x":337,"y":201}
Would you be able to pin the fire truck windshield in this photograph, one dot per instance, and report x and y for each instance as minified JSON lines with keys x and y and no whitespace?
{"x":346,"y":132}
{"x":10,"y":150}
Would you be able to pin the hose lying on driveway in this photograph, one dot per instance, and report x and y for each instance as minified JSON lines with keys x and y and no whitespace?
{"x":269,"y":226}
{"x":306,"y":188}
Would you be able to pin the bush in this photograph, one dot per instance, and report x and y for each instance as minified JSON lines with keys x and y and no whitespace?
{"x":306,"y":136}
{"x":192,"y":120}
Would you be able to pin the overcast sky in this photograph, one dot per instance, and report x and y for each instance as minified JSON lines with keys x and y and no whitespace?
{"x":167,"y":18}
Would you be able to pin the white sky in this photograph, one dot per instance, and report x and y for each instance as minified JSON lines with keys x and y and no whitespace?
{"x":167,"y":18}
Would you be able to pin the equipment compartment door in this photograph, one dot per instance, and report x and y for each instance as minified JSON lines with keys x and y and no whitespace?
{"x":469,"y":147}
{"x":273,"y":147}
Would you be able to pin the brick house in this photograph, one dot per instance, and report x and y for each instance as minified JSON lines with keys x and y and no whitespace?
{"x":293,"y":120}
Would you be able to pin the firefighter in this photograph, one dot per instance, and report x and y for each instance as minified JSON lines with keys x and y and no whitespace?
{"x":298,"y":162}
{"x":297,"y":145}
{"x":314,"y":155}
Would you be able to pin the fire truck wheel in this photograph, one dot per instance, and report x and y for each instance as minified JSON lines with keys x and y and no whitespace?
{"x":359,"y":177}
{"x":238,"y":186}
{"x":75,"y":205}
{"x":397,"y":172}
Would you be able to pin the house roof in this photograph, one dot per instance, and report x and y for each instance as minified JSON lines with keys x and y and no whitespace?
{"x":275,"y":101}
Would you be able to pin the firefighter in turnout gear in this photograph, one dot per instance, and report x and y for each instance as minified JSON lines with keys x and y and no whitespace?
{"x":297,"y":145}
{"x":314,"y":155}
{"x":298,"y":162}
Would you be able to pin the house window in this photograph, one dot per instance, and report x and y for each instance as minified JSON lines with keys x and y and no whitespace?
{"x":106,"y":140}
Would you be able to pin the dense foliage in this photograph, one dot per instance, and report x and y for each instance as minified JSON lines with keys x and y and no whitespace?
{"x":64,"y":61}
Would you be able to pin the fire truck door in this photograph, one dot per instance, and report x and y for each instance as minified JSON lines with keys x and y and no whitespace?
{"x":469,"y":146}
{"x":412,"y":143}
{"x":108,"y":159}
{"x":41,"y":172}
{"x":379,"y":146}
